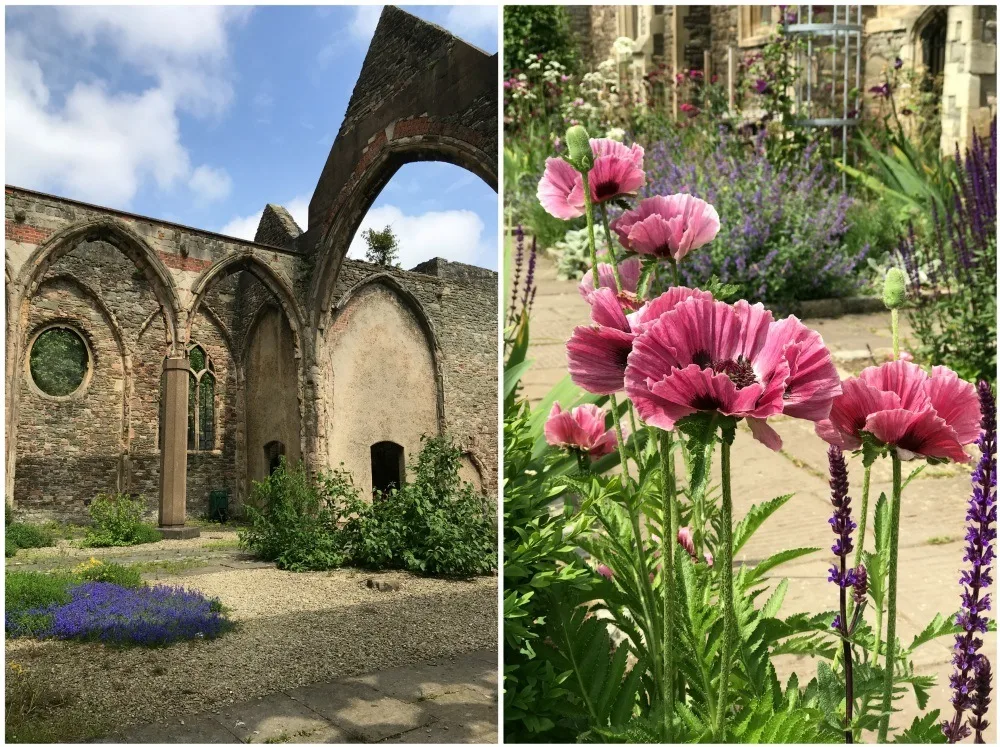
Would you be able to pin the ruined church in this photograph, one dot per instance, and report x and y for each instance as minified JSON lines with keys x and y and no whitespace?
{"x":160,"y":360}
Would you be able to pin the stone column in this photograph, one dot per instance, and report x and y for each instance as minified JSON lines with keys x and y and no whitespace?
{"x":173,"y":449}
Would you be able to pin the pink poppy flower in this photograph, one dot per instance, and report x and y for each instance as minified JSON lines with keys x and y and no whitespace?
{"x":617,"y":171}
{"x":629,"y":271}
{"x":668,"y":227}
{"x":581,"y":428}
{"x":708,"y":356}
{"x":685,"y":538}
{"x":598,"y":353}
{"x":603,"y":570}
{"x":901,"y":405}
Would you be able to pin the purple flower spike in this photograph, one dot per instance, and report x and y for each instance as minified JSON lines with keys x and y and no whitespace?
{"x":970,"y":686}
{"x":841,"y":519}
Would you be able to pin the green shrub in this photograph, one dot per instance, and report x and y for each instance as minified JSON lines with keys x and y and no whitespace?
{"x":432,"y":525}
{"x":293,"y":519}
{"x":22,"y":536}
{"x":25,"y":590}
{"x":116,"y":521}
{"x":538,"y":29}
{"x":112,"y":573}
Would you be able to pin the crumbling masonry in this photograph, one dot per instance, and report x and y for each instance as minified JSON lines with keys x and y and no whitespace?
{"x":208,"y":358}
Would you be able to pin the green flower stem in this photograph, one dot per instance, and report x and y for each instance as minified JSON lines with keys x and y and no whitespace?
{"x":726,"y":584}
{"x":862,"y":523}
{"x":701,"y":458}
{"x":589,"y":210}
{"x":895,"y":334}
{"x":675,"y":266}
{"x":890,"y":635}
{"x":611,"y":248}
{"x":668,"y":540}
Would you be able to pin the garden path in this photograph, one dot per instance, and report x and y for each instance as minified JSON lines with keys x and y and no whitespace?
{"x":447,"y":700}
{"x":933,"y":514}
{"x":313,"y":657}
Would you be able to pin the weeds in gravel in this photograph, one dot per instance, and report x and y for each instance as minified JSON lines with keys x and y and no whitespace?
{"x":20,"y":536}
{"x":28,"y":700}
{"x":222,"y":544}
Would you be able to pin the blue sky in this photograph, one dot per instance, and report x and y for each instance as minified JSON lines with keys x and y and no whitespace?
{"x":201,"y":115}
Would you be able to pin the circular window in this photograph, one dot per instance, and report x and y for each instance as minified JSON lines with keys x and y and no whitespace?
{"x":59,"y":361}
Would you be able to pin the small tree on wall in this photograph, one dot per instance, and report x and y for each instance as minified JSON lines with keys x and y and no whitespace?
{"x":383,"y":247}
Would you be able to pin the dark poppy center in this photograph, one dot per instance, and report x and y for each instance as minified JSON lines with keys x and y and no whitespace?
{"x":740,"y":371}
{"x":605,"y":190}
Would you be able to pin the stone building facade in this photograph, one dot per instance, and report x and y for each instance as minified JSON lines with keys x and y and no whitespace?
{"x":203,"y":358}
{"x":955,"y":42}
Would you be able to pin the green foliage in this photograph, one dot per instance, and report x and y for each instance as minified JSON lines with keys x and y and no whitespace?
{"x":33,"y":590}
{"x":294,"y":520}
{"x":383,"y":247}
{"x":112,"y":573}
{"x":58,"y":361}
{"x":540,"y":529}
{"x":538,"y":29}
{"x":433,"y":524}
{"x":22,"y":536}
{"x":572,"y":253}
{"x":116,"y":521}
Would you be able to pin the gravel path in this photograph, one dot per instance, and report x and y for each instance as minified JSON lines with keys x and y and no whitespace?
{"x":293,"y":629}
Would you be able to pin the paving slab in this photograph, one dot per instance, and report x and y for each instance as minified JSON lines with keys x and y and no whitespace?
{"x":273,"y":717}
{"x":361,"y":710}
{"x":196,"y":730}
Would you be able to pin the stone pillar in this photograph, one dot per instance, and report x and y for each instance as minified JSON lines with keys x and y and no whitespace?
{"x":173,"y":449}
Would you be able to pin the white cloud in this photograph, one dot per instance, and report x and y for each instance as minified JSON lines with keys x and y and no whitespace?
{"x":245,"y":227}
{"x":365,"y":20}
{"x":468,"y":20}
{"x":455,"y":235}
{"x":71,"y":132}
{"x":210,"y":184}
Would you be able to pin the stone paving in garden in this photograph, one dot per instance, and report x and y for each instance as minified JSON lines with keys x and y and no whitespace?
{"x":314,"y":657}
{"x":449,"y":700}
{"x":933,"y":512}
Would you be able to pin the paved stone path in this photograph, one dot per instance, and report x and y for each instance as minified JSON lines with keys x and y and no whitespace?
{"x":933,"y":514}
{"x":450,"y":700}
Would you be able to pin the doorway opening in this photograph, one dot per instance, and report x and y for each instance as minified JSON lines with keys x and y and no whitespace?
{"x":388,"y":467}
{"x":273,"y":452}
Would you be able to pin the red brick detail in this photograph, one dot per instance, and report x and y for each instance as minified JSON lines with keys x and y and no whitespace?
{"x":25,"y":234}
{"x":176,"y":262}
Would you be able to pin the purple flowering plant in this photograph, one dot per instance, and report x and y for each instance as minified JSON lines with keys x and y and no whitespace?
{"x":786,"y":233}
{"x":105,"y":612}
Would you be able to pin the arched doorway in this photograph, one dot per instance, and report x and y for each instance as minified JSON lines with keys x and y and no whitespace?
{"x":388,"y":467}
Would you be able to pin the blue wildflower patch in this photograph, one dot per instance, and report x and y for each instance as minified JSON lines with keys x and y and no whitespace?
{"x":105,"y":612}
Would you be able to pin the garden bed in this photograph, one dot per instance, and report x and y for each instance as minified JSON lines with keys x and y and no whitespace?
{"x":291,"y":630}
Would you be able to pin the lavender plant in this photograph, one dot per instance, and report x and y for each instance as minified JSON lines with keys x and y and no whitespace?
{"x":785,"y":231}
{"x":952,"y":269}
{"x":971,"y":681}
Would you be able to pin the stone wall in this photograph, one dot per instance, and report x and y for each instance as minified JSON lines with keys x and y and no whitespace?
{"x":141,"y":290}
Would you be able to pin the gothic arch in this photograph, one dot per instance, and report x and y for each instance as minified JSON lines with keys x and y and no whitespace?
{"x":414,"y":306}
{"x":121,"y":237}
{"x":422,"y":94}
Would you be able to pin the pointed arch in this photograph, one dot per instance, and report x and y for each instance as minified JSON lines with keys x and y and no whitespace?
{"x":123,"y":238}
{"x":413,"y":305}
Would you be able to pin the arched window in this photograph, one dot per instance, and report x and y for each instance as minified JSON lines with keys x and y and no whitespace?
{"x":201,"y":400}
{"x":388,"y":467}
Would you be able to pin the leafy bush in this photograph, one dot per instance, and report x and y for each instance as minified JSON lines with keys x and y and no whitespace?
{"x":294,"y":519}
{"x":117,"y":522}
{"x":145,"y":616}
{"x":431,"y":525}
{"x":538,"y":29}
{"x":29,"y":598}
{"x":22,"y":536}
{"x":114,"y":573}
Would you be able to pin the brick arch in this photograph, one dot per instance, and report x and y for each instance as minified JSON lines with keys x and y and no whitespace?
{"x":119,"y":235}
{"x":422,"y":94}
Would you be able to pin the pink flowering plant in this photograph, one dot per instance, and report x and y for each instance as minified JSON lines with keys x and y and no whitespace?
{"x":646,"y":631}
